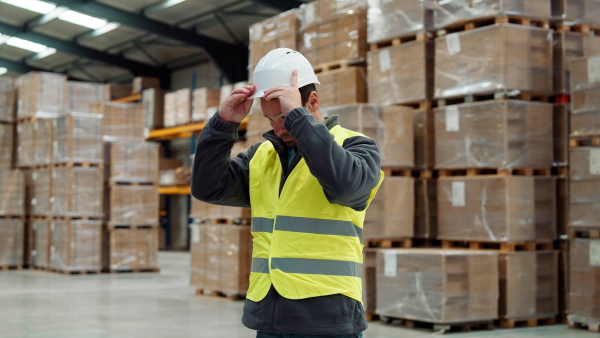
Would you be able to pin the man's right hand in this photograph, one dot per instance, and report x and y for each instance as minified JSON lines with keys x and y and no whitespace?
{"x":237,"y":106}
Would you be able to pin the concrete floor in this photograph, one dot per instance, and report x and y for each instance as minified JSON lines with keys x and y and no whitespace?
{"x":40,"y":304}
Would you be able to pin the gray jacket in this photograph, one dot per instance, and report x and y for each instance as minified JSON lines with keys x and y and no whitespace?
{"x":347,"y":174}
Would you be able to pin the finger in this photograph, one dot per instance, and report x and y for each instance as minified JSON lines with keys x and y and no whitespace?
{"x":294,"y":82}
{"x":240,"y":91}
{"x":275,"y":89}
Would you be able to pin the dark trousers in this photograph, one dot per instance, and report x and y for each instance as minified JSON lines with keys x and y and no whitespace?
{"x":261,"y":334}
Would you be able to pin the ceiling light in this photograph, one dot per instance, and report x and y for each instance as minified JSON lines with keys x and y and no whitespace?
{"x":45,"y":53}
{"x":32,"y":5}
{"x":3,"y":39}
{"x":107,"y":28}
{"x":3,"y":70}
{"x":171,"y":3}
{"x":24,"y":44}
{"x":82,"y":19}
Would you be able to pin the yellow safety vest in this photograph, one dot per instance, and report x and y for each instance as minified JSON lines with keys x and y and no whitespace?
{"x":303,"y":245}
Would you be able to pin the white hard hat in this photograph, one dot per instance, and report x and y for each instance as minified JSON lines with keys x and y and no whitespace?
{"x":276,"y":69}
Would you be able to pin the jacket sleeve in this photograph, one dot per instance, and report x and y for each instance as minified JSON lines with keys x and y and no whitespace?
{"x":347,"y":173}
{"x":217,"y":178}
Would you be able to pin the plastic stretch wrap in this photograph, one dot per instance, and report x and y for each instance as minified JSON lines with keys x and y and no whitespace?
{"x":7,"y":142}
{"x":584,"y":281}
{"x":7,"y":99}
{"x":425,"y":208}
{"x":561,"y":121}
{"x":391,"y":128}
{"x":121,"y":121}
{"x":132,"y":161}
{"x":388,"y":19}
{"x":391,"y":212}
{"x":221,"y":257}
{"x":40,"y":248}
{"x":178,"y":107}
{"x":586,"y":122}
{"x":279,"y":31}
{"x":580,"y":11}
{"x":438,"y":286}
{"x":205,"y":103}
{"x":584,"y":185}
{"x":25,"y":144}
{"x":494,"y":134}
{"x":401,"y":74}
{"x":449,"y":12}
{"x":342,"y":86}
{"x":493,"y":59}
{"x":77,"y":192}
{"x":568,"y":45}
{"x":585,"y":73}
{"x":78,"y":138}
{"x":154,"y":108}
{"x":12,"y":193}
{"x":12,"y":240}
{"x":255,"y":128}
{"x":76,"y":245}
{"x":40,"y":193}
{"x":133,"y":205}
{"x":83,"y":94}
{"x":333,"y":30}
{"x":132,"y":249}
{"x":43,"y":140}
{"x":369,"y":278}
{"x":497,"y":209}
{"x":423,"y":139}
{"x":528,"y":284}
{"x":585,"y":100}
{"x":205,"y":212}
{"x":42,"y":94}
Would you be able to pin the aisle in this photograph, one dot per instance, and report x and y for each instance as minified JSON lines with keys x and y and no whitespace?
{"x":39,"y":304}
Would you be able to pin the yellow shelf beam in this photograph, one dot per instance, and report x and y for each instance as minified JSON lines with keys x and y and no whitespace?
{"x":132,"y":98}
{"x":184,"y":131}
{"x":175,"y":190}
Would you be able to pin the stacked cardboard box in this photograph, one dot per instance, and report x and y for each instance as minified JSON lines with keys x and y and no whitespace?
{"x":40,"y":243}
{"x":43,"y":141}
{"x":133,"y":205}
{"x":78,"y":138}
{"x":206,"y":212}
{"x":12,"y":193}
{"x":583,"y":188}
{"x":141,"y":83}
{"x":584,"y":281}
{"x":438,"y":286}
{"x":7,"y":144}
{"x":585,"y":86}
{"x":391,"y":212}
{"x":388,"y":19}
{"x":178,"y":107}
{"x":120,"y":120}
{"x":7,"y":117}
{"x":221,"y":258}
{"x":77,"y":192}
{"x":569,"y":45}
{"x":494,"y":134}
{"x":42,"y":95}
{"x":12,"y":241}
{"x":579,"y":11}
{"x":280,"y":31}
{"x":39,"y":192}
{"x":369,"y":281}
{"x":76,"y":245}
{"x":83,"y":94}
{"x":154,"y":107}
{"x":131,"y":161}
{"x":205,"y":103}
{"x":131,"y":249}
{"x":342,"y":86}
{"x":7,"y":99}
{"x":25,"y":144}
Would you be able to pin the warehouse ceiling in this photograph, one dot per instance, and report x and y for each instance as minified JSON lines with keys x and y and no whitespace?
{"x":115,"y":40}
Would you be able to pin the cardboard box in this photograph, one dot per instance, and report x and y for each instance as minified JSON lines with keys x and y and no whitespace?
{"x":493,"y":58}
{"x":583,"y":188}
{"x":206,"y":212}
{"x":221,"y":258}
{"x":25,"y":144}
{"x":342,"y":86}
{"x":76,"y":245}
{"x":132,"y":161}
{"x":82,"y":94}
{"x":584,"y":280}
{"x":584,"y":100}
{"x":388,"y":19}
{"x":12,"y":242}
{"x":7,"y":145}
{"x":568,"y":45}
{"x":7,"y":99}
{"x":401,"y":74}
{"x":494,"y":134}
{"x":424,"y":138}
{"x":119,"y":91}
{"x":77,"y":192}
{"x":12,"y":193}
{"x":154,"y":107}
{"x":586,"y":122}
{"x":133,"y":205}
{"x":78,"y":138}
{"x":497,"y":209}
{"x":142,"y":83}
{"x":451,"y":12}
{"x":324,"y":11}
{"x":425,"y":208}
{"x":205,"y":103}
{"x":369,"y":280}
{"x":279,"y":31}
{"x":42,"y":94}
{"x":437,"y":286}
{"x":580,"y":11}
{"x":391,"y":212}
{"x":39,"y":193}
{"x":131,"y":249}
{"x":43,"y":141}
{"x":40,"y":248}
{"x":528,"y":284}
{"x":121,"y":121}
{"x":178,"y":107}
{"x":585,"y":73}
{"x":391,"y":128}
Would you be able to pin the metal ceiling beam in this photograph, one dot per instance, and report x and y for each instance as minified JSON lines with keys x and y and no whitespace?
{"x":230,"y":59}
{"x":44,"y":19}
{"x":68,"y":47}
{"x":17,"y":67}
{"x":279,"y":5}
{"x":93,"y":33}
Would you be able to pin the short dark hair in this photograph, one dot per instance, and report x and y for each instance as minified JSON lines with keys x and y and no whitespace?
{"x":305,"y":92}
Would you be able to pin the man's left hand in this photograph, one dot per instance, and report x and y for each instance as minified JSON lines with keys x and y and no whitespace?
{"x":288,"y":96}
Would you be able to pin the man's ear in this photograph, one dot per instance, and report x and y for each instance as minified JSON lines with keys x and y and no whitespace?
{"x":313,"y":102}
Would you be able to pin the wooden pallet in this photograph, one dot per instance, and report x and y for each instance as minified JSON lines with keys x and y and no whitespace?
{"x":591,"y":326}
{"x":40,"y":268}
{"x":560,"y":172}
{"x":400,"y":40}
{"x":501,"y":95}
{"x":76,"y":218}
{"x":584,"y":234}
{"x":372,"y":317}
{"x":339,"y":64}
{"x":389,"y":243}
{"x":451,"y":327}
{"x":232,"y":221}
{"x":501,"y":246}
{"x":113,"y":183}
{"x":470,"y":24}
{"x":579,"y":28}
{"x":11,"y":267}
{"x":507,"y":323}
{"x":78,"y":164}
{"x":20,"y":217}
{"x":418,"y":105}
{"x":585,"y":141}
{"x":131,"y":226}
{"x":75,"y":272}
{"x":405,"y":172}
{"x":471,"y":172}
{"x":219,"y":294}
{"x":151,"y":270}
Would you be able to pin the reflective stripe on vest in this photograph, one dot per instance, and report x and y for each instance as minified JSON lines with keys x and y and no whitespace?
{"x":317,"y":266}
{"x":261,"y":224}
{"x":260,"y":265}
{"x":319,"y":226}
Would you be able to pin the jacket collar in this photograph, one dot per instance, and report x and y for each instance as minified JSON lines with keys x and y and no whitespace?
{"x":280,"y":146}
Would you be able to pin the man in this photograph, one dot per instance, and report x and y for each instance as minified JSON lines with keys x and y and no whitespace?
{"x":308,"y":186}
